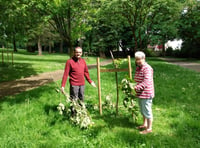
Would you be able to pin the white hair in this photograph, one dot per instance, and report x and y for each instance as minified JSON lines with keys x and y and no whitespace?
{"x":140,"y":55}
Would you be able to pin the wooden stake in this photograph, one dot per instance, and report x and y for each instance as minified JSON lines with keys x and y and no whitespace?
{"x":129,"y":67}
{"x":99,"y":85}
{"x":117,"y":93}
{"x":7,"y":56}
{"x":12,"y":59}
{"x":2,"y":58}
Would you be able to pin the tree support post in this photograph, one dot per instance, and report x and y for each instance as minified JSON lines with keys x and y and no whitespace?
{"x":129,"y":69}
{"x":2,"y":58}
{"x":99,"y":86}
{"x":12,"y":58}
{"x":117,"y":102}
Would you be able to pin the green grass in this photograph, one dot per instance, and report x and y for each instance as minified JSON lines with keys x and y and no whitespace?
{"x":30,"y":119}
{"x":27,"y":64}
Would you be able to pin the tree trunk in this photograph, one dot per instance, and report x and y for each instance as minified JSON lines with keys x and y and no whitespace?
{"x":71,"y":49}
{"x":39,"y":46}
{"x":14,"y":44}
{"x":69,"y":30}
{"x":50,"y":48}
{"x":136,"y":45}
{"x":135,"y":40}
{"x":61,"y":46}
{"x":163,"y":48}
{"x":140,"y":38}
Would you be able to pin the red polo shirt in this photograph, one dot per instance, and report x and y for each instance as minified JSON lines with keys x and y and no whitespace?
{"x":76,"y":69}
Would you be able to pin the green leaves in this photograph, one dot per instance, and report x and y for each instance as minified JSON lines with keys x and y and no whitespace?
{"x":76,"y":111}
{"x":129,"y":102}
{"x":189,"y":30}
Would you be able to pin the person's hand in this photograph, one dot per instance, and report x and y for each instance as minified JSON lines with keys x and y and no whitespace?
{"x":135,"y":88}
{"x":62,"y":90}
{"x":93,"y":84}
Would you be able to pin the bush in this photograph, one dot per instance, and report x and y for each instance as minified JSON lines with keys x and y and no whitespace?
{"x":169,"y":51}
{"x":151,"y":53}
{"x":176,"y":53}
{"x":190,"y":49}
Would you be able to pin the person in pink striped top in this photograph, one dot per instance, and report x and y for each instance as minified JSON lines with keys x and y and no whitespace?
{"x":144,"y":91}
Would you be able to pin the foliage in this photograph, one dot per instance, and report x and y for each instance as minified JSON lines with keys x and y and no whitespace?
{"x":98,"y":25}
{"x":136,"y":14}
{"x":133,"y":23}
{"x":164,"y":27}
{"x":69,"y":18}
{"x":119,"y":62}
{"x":12,"y":20}
{"x":130,"y":101}
{"x":189,"y":30}
{"x":76,"y":111}
{"x":108,"y":105}
{"x":107,"y":26}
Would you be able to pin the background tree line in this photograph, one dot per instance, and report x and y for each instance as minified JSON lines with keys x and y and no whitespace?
{"x":99,"y":25}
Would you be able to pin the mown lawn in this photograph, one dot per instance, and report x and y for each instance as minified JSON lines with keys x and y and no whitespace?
{"x":30,"y":119}
{"x":27,"y":64}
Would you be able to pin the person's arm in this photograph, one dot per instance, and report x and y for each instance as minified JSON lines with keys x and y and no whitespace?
{"x":87,"y":76}
{"x":146,"y":81}
{"x":65,"y":75}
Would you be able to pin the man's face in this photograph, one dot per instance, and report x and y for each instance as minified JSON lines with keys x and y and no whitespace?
{"x":139,"y":61}
{"x":78,"y":52}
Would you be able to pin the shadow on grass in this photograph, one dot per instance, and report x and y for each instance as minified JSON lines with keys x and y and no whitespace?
{"x":46,"y":60}
{"x":53,"y":115}
{"x":19,"y":86}
{"x":12,"y":72}
{"x":34,"y":94}
{"x":120,"y":121}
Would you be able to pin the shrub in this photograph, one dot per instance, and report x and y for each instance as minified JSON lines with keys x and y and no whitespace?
{"x":169,"y":51}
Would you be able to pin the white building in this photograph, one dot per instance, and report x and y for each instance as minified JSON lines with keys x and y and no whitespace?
{"x":175,"y":44}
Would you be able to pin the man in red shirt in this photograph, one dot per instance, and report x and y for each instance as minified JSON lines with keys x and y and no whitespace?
{"x":144,"y":91}
{"x":77,"y":71}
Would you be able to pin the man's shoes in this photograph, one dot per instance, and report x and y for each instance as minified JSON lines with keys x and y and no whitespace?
{"x":146,"y":131}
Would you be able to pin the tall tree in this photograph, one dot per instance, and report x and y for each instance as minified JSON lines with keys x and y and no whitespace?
{"x":136,"y":12}
{"x":43,"y":35}
{"x":69,"y":17}
{"x":12,"y":20}
{"x":163,"y":21}
{"x":189,"y":29}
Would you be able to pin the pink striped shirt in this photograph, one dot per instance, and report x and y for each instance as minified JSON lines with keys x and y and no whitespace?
{"x":145,"y":85}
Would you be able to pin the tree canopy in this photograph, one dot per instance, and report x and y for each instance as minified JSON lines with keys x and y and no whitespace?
{"x":97,"y":25}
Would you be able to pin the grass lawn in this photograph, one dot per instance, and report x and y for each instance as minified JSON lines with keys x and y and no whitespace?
{"x":27,"y":64}
{"x":30,"y":119}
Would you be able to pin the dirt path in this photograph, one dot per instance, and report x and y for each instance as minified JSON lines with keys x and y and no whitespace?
{"x":21,"y":85}
{"x":185,"y":64}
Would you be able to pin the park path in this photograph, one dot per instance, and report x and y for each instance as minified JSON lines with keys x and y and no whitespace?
{"x":186,"y":64}
{"x":25,"y":84}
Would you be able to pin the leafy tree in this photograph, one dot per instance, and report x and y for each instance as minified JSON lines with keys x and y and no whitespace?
{"x":136,"y":13}
{"x":163,"y":20}
{"x":108,"y":28}
{"x":42,"y":35}
{"x":189,"y":29}
{"x":69,"y":17}
{"x":12,"y":21}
